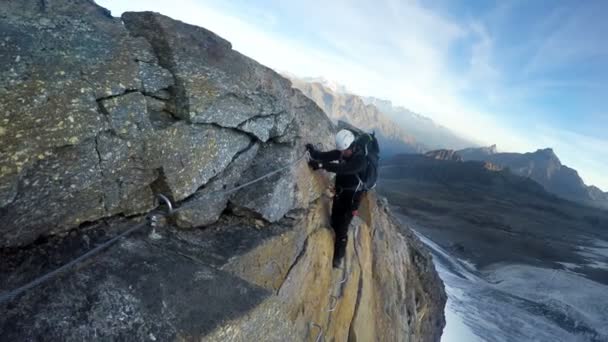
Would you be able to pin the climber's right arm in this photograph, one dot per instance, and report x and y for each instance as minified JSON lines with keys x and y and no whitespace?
{"x":326,"y":156}
{"x":323,"y":156}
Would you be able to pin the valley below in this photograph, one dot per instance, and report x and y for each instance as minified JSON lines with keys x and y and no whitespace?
{"x":518,"y":263}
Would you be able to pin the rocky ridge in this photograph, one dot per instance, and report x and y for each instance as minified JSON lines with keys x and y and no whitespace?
{"x":99,"y":115}
{"x":451,"y":155}
{"x":544,"y":167}
{"x":444,"y":155}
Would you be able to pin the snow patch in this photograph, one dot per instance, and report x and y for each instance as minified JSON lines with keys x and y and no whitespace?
{"x":596,"y":254}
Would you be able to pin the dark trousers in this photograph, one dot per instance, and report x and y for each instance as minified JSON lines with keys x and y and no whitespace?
{"x":345,"y":202}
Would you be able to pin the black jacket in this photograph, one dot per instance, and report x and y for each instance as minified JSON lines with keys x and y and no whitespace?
{"x":346,"y":170}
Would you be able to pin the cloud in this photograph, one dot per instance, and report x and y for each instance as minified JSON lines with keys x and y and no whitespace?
{"x":572,"y":35}
{"x":481,"y":56}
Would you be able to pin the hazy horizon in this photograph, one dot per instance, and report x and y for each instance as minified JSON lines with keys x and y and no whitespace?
{"x":522,"y":75}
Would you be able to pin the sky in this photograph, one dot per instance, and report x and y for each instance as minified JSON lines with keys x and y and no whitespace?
{"x":521,"y":74}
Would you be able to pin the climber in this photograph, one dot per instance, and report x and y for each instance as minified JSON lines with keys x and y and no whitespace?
{"x":355,"y":169}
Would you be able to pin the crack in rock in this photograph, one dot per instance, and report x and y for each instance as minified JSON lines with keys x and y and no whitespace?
{"x":300,"y":255}
{"x":102,"y":173}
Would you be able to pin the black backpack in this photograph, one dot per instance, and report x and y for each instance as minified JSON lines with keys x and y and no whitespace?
{"x":368,"y":144}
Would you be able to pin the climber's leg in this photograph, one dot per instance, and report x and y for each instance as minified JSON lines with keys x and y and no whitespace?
{"x":341,"y":239}
{"x":341,"y":217}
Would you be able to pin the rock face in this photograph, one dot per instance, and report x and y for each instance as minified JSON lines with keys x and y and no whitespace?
{"x":544,"y":167}
{"x":236,"y":281}
{"x":98,"y":115}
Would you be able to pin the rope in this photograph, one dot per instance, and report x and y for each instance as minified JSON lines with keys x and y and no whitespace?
{"x":259,"y":179}
{"x":12,"y":294}
{"x":272,"y":173}
{"x":16,"y":292}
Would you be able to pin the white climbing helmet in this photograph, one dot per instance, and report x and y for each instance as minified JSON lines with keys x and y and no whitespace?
{"x":344,"y":139}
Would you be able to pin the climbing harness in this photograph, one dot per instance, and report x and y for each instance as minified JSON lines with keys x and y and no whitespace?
{"x":5,"y":297}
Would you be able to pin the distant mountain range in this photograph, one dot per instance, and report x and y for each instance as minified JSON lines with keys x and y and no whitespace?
{"x":544,"y":167}
{"x":423,"y":129}
{"x":399,"y":130}
{"x":458,"y":174}
{"x":351,"y":108}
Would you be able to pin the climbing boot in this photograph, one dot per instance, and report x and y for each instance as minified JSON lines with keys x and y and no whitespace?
{"x":337,"y":263}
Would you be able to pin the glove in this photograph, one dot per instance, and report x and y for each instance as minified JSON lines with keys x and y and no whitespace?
{"x":315,"y":164}
{"x":312,"y":151}
{"x":310,"y":147}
